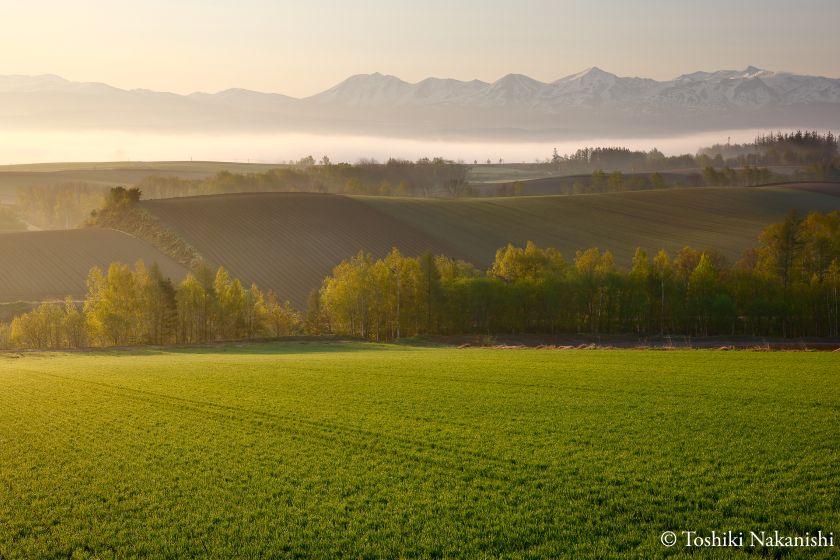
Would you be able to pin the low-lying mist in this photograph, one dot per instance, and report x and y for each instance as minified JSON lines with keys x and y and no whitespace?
{"x":113,"y":145}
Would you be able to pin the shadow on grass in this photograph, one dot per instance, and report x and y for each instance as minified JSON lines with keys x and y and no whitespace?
{"x":290,"y":346}
{"x":283,"y":346}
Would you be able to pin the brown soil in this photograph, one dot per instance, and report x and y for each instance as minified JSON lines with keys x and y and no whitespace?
{"x":44,"y":265}
{"x":287,"y":242}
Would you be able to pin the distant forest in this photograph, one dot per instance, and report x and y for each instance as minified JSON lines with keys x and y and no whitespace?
{"x":788,"y":286}
{"x":801,"y":148}
{"x":588,"y":170}
{"x":69,"y":204}
{"x":794,"y":148}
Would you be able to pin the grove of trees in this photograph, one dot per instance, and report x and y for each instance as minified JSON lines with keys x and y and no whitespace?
{"x":787,"y":286}
{"x":780,"y":148}
{"x":816,"y":154}
{"x":600,"y":181}
{"x":424,"y":177}
{"x":586,"y":160}
{"x":133,"y":306}
{"x":61,"y":206}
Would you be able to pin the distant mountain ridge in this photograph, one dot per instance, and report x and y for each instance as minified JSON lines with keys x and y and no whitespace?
{"x":589,"y":100}
{"x":751,"y":87}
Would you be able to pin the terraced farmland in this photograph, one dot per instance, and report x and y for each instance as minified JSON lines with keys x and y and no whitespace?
{"x":42,"y":265}
{"x":371,"y":451}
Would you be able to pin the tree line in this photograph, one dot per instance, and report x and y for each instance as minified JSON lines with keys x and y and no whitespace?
{"x":780,"y":148}
{"x":67,"y":205}
{"x":600,"y":169}
{"x":61,"y":206}
{"x":128,"y":306}
{"x":817,"y":153}
{"x":617,"y":158}
{"x":787,"y":286}
{"x":600,"y":181}
{"x":424,"y":177}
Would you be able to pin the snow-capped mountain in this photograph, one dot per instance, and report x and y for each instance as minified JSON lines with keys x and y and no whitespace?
{"x":726,"y":89}
{"x":596,"y":87}
{"x":513,"y":90}
{"x":365,"y":90}
{"x":444,"y":91}
{"x":378,"y":90}
{"x":588,"y":100}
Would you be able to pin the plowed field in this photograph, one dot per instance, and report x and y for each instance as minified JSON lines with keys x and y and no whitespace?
{"x":42,"y":265}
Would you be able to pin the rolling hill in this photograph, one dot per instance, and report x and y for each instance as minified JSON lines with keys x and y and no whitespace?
{"x":288,"y":242}
{"x":45,"y":265}
{"x":726,"y":219}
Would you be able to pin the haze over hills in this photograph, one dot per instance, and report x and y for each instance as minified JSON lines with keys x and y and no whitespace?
{"x":590,"y":102}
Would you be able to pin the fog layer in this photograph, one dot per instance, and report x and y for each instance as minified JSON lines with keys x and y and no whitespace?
{"x":108,"y":145}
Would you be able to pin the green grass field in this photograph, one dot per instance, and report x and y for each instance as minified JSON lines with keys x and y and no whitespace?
{"x":326,"y":450}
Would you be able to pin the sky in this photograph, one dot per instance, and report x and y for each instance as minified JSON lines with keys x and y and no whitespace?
{"x":300,"y":48}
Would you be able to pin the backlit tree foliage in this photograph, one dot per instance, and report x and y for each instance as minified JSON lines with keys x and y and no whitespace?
{"x":788,"y":286}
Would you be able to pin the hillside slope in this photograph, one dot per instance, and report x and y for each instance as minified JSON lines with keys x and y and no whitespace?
{"x":727,"y":219}
{"x":42,"y":265}
{"x":288,"y":242}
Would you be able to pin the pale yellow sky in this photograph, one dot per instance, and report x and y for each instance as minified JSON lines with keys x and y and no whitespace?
{"x":302,"y":48}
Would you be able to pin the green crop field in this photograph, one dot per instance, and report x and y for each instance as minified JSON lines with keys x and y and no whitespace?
{"x":326,"y":450}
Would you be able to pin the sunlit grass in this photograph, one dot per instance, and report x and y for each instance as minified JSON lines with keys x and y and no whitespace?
{"x":362,"y":450}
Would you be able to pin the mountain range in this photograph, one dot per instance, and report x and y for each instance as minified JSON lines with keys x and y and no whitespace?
{"x":589,"y":102}
{"x":750,"y":88}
